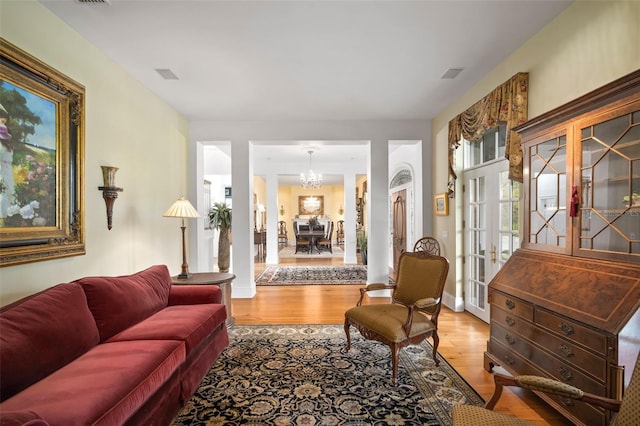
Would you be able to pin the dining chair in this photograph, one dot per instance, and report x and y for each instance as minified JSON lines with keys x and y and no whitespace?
{"x":325,"y":242}
{"x":427,"y":244}
{"x":283,"y":238}
{"x":302,"y":243}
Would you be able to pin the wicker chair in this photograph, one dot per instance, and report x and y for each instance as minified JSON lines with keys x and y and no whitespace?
{"x":412,"y":315}
{"x":627,"y":409}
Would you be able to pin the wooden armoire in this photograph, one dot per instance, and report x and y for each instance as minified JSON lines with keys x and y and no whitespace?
{"x":566,"y":304}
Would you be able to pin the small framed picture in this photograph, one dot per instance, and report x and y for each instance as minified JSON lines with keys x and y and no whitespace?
{"x":227,"y":192}
{"x":441,"y":204}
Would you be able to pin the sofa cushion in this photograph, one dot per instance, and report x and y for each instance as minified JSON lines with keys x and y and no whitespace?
{"x":189,"y":323}
{"x":120,"y":302}
{"x":41,"y":333}
{"x":105,"y":386}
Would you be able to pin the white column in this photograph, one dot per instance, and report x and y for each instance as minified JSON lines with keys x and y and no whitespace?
{"x":242,"y":265}
{"x":378,"y":212}
{"x":272,"y":219}
{"x":350,"y":246}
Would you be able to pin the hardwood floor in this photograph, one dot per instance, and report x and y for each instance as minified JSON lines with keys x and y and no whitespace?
{"x":463,"y":337}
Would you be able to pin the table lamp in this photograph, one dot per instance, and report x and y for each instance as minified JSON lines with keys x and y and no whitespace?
{"x":182,"y":208}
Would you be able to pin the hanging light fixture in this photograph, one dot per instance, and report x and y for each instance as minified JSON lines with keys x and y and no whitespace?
{"x":311,"y":180}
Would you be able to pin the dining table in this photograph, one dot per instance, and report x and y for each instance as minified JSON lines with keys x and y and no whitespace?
{"x":314,"y":236}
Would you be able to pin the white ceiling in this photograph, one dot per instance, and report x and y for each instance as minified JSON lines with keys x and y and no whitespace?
{"x":307,"y":60}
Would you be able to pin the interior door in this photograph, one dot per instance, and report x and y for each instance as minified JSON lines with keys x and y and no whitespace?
{"x":399,"y":225}
{"x":491,"y":203}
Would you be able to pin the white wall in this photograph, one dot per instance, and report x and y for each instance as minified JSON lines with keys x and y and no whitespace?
{"x":125,"y":126}
{"x":588,"y":45}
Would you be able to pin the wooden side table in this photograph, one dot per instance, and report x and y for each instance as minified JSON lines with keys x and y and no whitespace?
{"x":221,"y":279}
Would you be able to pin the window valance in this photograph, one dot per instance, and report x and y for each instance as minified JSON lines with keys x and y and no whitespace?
{"x":506,"y":104}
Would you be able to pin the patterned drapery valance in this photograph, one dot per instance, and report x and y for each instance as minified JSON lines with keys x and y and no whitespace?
{"x":506,"y":104}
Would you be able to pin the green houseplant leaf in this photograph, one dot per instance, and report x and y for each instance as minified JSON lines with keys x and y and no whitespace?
{"x":220,"y":216}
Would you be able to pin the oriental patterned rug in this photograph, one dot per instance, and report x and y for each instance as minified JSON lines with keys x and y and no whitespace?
{"x":316,"y":275}
{"x":300,"y":374}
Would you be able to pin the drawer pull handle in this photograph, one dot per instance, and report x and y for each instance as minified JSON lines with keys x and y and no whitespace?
{"x":566,"y":351}
{"x":510,"y":339}
{"x":509,"y":359}
{"x":566,"y":329}
{"x":565,"y":374}
{"x":509,"y":320}
{"x":567,"y":402}
{"x":510,"y":304}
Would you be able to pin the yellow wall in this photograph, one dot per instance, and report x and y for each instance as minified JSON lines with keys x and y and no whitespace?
{"x":127,"y":127}
{"x":288,"y":197}
{"x":590,"y":44}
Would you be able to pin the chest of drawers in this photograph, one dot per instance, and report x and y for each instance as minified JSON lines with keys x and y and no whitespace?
{"x":575,"y":320}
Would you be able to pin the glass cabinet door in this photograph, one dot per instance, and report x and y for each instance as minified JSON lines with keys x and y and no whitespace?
{"x":609,"y":175}
{"x":547,"y":182}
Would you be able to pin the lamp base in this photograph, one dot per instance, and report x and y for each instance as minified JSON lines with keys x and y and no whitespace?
{"x":184,"y":276}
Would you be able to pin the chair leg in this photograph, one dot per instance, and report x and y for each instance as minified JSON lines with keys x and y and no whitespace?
{"x":395,"y":354}
{"x":436,"y":342}
{"x":346,"y":330}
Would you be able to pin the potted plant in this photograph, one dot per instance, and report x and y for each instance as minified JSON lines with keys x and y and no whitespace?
{"x":362,"y":244}
{"x":313,"y":222}
{"x":220,"y":219}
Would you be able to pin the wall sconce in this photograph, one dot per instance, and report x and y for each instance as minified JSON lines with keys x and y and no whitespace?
{"x":341,"y":210}
{"x":109,"y":190}
{"x":281,"y":209}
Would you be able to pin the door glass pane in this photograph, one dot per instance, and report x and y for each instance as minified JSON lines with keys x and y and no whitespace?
{"x":489,"y":145}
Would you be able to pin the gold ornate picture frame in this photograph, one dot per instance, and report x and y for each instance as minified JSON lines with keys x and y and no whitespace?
{"x":441,"y":204}
{"x":311,"y":205}
{"x":42,"y":152}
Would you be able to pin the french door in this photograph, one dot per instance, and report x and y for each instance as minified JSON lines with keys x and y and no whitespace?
{"x":491,"y":204}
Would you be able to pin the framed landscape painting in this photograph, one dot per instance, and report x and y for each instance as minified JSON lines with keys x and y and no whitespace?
{"x":41,"y":154}
{"x":441,"y":204}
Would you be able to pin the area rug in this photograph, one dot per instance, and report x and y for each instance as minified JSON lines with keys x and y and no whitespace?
{"x":290,"y":252}
{"x":315,"y":275}
{"x":300,"y":375}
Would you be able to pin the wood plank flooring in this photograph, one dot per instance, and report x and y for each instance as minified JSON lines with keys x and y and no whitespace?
{"x":463,"y":337}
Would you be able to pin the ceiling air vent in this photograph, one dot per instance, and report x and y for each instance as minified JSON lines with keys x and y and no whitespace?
{"x":451,"y":73}
{"x":94,"y":1}
{"x":166,"y":73}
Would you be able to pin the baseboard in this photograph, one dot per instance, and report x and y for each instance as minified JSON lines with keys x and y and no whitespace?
{"x":456,"y":304}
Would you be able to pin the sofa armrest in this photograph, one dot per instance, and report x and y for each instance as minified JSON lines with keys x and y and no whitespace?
{"x":21,"y":418}
{"x":194,"y":294}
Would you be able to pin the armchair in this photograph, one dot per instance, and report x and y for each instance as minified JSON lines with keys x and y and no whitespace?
{"x":412,"y":315}
{"x":627,"y":409}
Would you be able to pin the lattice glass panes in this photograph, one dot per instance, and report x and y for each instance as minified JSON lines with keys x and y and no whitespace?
{"x":610,"y":174}
{"x":547,"y":204}
{"x":508,"y":219}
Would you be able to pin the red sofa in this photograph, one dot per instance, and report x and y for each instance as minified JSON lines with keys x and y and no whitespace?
{"x":108,"y":350}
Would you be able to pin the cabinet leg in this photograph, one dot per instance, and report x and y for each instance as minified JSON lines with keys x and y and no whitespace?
{"x":488,"y":363}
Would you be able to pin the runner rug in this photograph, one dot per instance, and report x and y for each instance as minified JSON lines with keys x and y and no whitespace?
{"x":300,"y":374}
{"x":316,"y":275}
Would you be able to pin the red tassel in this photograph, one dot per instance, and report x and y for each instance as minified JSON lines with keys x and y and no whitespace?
{"x":575,"y":202}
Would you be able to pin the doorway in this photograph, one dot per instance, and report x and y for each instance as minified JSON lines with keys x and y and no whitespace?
{"x":399,"y":220}
{"x":491,"y":218}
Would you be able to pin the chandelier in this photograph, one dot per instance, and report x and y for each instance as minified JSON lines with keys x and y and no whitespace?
{"x":311,"y":180}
